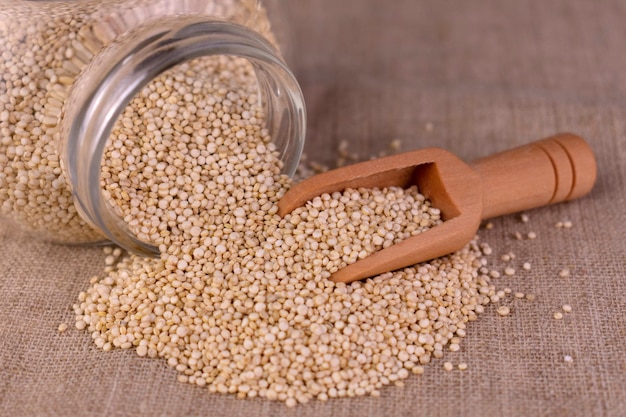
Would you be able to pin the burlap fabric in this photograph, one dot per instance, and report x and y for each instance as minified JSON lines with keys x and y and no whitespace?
{"x":470,"y":76}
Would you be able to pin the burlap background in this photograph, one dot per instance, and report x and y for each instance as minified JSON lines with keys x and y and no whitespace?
{"x":488,"y":75}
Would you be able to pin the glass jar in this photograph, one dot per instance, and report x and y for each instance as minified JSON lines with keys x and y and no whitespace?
{"x":68,"y":69}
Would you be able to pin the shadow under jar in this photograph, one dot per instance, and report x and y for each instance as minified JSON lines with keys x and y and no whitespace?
{"x":68,"y":72}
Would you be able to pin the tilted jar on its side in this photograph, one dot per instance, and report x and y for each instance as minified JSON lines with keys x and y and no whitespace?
{"x":68,"y":69}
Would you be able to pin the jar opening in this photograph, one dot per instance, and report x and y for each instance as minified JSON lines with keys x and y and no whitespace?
{"x":126,"y":67}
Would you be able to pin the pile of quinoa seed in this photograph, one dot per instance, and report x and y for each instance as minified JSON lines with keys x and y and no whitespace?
{"x":288,"y":339}
{"x":239,"y":300}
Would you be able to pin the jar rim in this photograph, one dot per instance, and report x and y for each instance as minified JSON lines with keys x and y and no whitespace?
{"x":100,"y":96}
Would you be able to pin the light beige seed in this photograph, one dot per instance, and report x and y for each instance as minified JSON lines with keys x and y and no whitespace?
{"x":418,"y":370}
{"x":509,"y":271}
{"x":395,"y":144}
{"x":448,"y":366}
{"x":503,"y":311}
{"x":142,"y":350}
{"x":62,"y":328}
{"x":558,"y":316}
{"x":567,"y":308}
{"x":462,"y":366}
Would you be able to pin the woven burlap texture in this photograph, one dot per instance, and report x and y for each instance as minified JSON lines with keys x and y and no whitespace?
{"x":472,"y":77}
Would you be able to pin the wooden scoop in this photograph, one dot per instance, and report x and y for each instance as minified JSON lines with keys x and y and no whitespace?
{"x":548,"y":171}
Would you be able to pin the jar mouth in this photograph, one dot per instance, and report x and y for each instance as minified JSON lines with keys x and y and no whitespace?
{"x":123,"y":69}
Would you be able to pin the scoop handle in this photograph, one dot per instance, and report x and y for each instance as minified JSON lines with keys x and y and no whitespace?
{"x":548,"y":171}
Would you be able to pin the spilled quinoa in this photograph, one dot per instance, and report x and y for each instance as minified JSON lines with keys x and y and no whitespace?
{"x":239,"y":300}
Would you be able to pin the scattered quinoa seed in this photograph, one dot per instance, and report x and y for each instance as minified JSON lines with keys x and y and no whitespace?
{"x":526,"y":266}
{"x":564,"y":225}
{"x":448,"y":366}
{"x":531,"y":235}
{"x":462,"y":366}
{"x":558,"y":315}
{"x":564,"y":273}
{"x":567,"y":308}
{"x":509,"y":271}
{"x":395,"y":144}
{"x":418,"y":370}
{"x":503,"y":311}
{"x":62,"y":328}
